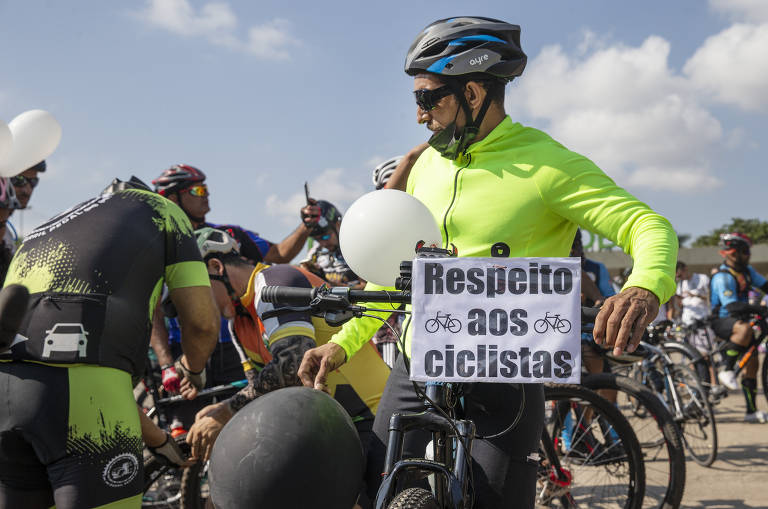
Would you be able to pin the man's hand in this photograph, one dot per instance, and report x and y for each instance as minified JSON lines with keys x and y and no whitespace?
{"x":624,"y":317}
{"x":310,"y":214}
{"x":318,"y":362}
{"x":197,"y":379}
{"x":171,"y":380}
{"x":208,"y":424}
{"x":170,"y":453}
{"x":187,"y":390}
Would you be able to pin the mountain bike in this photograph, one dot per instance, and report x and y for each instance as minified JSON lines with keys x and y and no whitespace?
{"x":685,"y":397}
{"x":604,"y":442}
{"x":165,"y":485}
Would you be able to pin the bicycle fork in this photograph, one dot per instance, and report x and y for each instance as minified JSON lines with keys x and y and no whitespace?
{"x":451,"y":485}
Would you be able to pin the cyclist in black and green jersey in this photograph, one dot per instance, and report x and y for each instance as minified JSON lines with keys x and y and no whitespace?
{"x":70,"y":432}
{"x":497,"y":188}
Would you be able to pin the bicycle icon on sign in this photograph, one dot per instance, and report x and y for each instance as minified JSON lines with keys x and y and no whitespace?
{"x":450,"y":324}
{"x":561,"y":325}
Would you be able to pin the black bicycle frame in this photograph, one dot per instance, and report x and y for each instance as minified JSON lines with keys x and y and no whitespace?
{"x":451,"y":484}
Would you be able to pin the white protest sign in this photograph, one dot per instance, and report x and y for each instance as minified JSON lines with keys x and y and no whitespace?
{"x":497,"y":320}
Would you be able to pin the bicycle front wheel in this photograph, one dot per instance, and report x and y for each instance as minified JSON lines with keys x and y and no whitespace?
{"x":414,"y":498}
{"x":696,"y":417}
{"x":598,"y":462}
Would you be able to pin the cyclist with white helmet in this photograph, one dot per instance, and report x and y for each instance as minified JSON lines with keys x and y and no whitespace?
{"x":275,"y":346}
{"x":393,"y":173}
{"x":729,"y":290}
{"x":498,"y":188}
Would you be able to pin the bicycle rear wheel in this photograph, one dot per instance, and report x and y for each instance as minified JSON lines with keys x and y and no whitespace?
{"x":697,"y":419}
{"x":660,"y":438}
{"x":595,"y":448}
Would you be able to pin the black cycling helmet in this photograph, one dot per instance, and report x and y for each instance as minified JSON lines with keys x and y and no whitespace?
{"x":467,"y":45}
{"x":176,"y":178}
{"x":329,"y":214}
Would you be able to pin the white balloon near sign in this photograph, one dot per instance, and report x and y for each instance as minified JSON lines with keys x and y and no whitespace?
{"x":36,"y":134}
{"x":6,"y":142}
{"x":381,"y":229}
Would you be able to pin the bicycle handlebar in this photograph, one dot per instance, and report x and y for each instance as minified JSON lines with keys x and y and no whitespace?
{"x":340,"y":298}
{"x":304,"y":296}
{"x":210,"y":392}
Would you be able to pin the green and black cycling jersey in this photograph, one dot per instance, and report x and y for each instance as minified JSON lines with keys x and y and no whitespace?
{"x":87,"y":268}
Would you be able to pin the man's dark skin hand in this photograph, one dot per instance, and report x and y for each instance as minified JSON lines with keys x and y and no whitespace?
{"x":624,"y":317}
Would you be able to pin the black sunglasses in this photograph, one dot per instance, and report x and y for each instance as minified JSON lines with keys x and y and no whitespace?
{"x":427,"y":99}
{"x":21,"y":181}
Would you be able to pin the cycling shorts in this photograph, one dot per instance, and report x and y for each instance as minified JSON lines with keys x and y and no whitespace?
{"x":71,"y":431}
{"x":723,"y":327}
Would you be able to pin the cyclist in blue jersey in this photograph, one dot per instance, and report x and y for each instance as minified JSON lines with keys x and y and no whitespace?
{"x":729,"y":290}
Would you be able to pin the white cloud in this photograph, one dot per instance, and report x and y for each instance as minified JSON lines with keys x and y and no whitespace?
{"x":732,"y":66}
{"x":216,"y":22}
{"x":750,"y":11}
{"x":624,"y":108}
{"x":333,"y":185}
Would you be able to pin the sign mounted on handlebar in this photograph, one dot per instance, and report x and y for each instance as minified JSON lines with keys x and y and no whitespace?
{"x":496,"y":320}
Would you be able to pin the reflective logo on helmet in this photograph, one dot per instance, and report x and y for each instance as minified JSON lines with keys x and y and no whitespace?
{"x":121,"y":470}
{"x":479,"y":60}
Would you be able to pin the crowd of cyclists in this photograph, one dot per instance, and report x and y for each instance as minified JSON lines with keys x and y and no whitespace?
{"x":141,"y":266}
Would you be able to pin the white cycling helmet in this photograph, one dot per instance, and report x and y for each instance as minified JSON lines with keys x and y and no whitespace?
{"x":211,"y":241}
{"x":385,"y":170}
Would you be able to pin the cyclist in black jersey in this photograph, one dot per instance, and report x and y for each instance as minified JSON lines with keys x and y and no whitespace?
{"x":71,"y":433}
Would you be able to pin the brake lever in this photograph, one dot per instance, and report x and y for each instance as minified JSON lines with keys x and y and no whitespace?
{"x":271,"y":313}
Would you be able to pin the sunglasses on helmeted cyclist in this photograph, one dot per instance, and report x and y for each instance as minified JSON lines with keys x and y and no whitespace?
{"x":201,"y":191}
{"x":327,"y":236}
{"x":21,"y":181}
{"x":427,"y":99}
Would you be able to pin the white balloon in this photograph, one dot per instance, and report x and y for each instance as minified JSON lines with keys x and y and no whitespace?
{"x":6,"y":142}
{"x":36,"y":134}
{"x":381,"y":229}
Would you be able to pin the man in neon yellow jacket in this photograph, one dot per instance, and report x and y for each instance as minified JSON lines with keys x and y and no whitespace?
{"x":498,"y":188}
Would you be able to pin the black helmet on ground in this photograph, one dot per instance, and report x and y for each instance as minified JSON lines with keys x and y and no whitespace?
{"x":294,"y":447}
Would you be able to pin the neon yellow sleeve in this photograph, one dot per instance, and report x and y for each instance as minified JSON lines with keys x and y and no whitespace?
{"x":355,"y":333}
{"x":582,"y":193}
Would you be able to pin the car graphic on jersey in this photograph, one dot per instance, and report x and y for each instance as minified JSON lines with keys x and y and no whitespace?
{"x":65,"y":341}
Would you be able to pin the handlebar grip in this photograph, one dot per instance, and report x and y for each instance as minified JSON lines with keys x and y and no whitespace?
{"x":589,"y":314}
{"x":287,"y":295}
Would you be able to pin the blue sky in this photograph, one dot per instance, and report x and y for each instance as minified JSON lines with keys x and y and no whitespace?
{"x":669,"y":98}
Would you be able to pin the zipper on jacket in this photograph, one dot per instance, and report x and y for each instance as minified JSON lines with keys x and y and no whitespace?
{"x":453,"y":199}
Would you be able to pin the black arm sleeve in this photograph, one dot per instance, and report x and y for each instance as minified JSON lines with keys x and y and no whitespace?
{"x":281,"y":371}
{"x":743,"y":308}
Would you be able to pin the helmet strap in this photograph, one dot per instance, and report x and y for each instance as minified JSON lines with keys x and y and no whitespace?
{"x":224,"y":278}
{"x":448,"y":142}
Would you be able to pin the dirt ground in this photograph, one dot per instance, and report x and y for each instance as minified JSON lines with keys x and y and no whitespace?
{"x":738,"y":479}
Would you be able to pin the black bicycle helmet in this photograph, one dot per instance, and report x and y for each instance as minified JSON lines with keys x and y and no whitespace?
{"x":467,"y":45}
{"x":120,"y":185}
